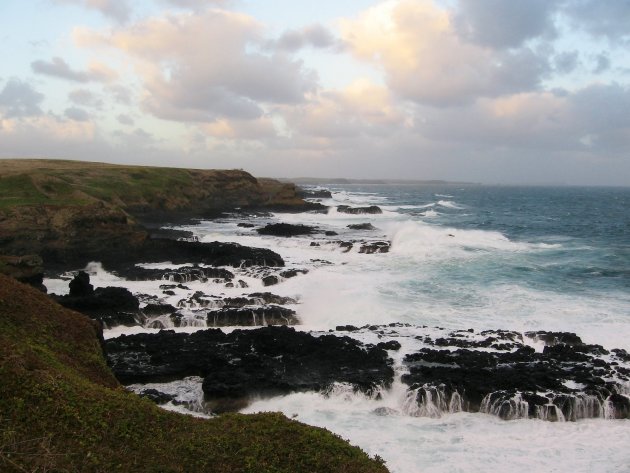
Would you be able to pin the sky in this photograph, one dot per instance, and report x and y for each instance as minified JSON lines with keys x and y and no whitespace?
{"x":491,"y":91}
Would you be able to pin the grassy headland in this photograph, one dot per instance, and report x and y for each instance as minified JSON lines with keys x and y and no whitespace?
{"x":62,"y":410}
{"x":60,"y":210}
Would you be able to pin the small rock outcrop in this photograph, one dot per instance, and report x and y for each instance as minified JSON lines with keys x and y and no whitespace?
{"x":372,"y":209}
{"x":285,"y":230}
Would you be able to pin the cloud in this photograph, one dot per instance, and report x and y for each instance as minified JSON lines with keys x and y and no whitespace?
{"x":604,"y":18}
{"x":566,"y":62}
{"x":19,"y":99}
{"x":504,"y":23}
{"x":361,"y":109}
{"x":425,"y":60}
{"x":205,"y":67}
{"x":603,"y":63}
{"x":125,"y":119}
{"x":118,"y":10}
{"x":315,"y":36}
{"x":85,"y":98}
{"x":120,"y":94}
{"x":77,"y":114}
{"x":196,"y":5}
{"x":59,"y":68}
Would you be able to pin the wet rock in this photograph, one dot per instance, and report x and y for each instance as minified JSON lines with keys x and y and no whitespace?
{"x":212,"y":254}
{"x":389,"y":345}
{"x":269,"y":298}
{"x":361,"y":226}
{"x":372,"y":209}
{"x":573,"y":374}
{"x":285,"y":230}
{"x":330,"y":233}
{"x":244,"y":363}
{"x":110,"y":305}
{"x":80,"y":285}
{"x":157,"y":396}
{"x":291,"y":273}
{"x":314,"y":193}
{"x":185,"y":274}
{"x":151,"y":310}
{"x":375,"y":247}
{"x":252,"y":317}
{"x":270,"y":280}
{"x":246,"y":225}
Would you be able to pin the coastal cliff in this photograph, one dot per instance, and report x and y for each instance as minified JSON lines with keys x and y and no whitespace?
{"x":67,"y":210}
{"x":61,"y":409}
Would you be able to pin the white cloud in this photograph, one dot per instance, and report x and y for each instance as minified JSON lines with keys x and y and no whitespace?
{"x":203,"y":67}
{"x":425,"y":60}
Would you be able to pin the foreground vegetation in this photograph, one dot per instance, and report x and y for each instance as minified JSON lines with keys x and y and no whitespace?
{"x":62,"y":410}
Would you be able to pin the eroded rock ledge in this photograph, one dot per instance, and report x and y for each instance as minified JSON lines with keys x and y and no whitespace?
{"x":244,"y":363}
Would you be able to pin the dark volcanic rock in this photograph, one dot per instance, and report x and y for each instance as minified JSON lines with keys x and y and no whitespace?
{"x":214,"y":254}
{"x":256,"y":316}
{"x":285,"y":230}
{"x":80,"y":285}
{"x":265,"y":361}
{"x":291,"y":273}
{"x":111,"y":305}
{"x":270,"y":280}
{"x":158,"y":309}
{"x":245,"y":225}
{"x":184,"y":274}
{"x":314,"y":193}
{"x":372,"y":209}
{"x":330,"y":233}
{"x":269,"y":298}
{"x":577,"y":383}
{"x":361,"y":226}
{"x":375,"y":247}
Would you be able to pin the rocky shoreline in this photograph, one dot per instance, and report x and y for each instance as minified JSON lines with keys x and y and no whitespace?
{"x":542,"y":375}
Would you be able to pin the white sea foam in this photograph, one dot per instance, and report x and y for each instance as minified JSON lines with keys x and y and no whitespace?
{"x":448,"y":204}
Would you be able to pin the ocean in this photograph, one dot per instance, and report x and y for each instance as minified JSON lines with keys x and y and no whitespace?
{"x":462,"y":257}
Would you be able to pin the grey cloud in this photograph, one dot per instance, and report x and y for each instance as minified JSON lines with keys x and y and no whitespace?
{"x":19,"y":99}
{"x":566,"y":62}
{"x":605,"y":18}
{"x":603,"y":63}
{"x":315,"y":36}
{"x":138,"y":139}
{"x":125,"y":119}
{"x":60,"y":69}
{"x":203,"y":105}
{"x":118,"y":10}
{"x":120,"y":94}
{"x":77,"y":114}
{"x":85,"y":98}
{"x":504,"y":23}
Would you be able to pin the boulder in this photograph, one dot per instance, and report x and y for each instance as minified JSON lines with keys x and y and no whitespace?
{"x":361,"y":226}
{"x":285,"y":230}
{"x":346,"y":209}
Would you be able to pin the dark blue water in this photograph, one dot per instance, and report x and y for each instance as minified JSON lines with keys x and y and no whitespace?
{"x":588,"y":227}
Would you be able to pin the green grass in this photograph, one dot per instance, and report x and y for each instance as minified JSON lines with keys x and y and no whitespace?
{"x":62,"y":410}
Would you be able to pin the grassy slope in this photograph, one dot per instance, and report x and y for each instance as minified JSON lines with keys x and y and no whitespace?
{"x":32,"y":182}
{"x":61,"y":410}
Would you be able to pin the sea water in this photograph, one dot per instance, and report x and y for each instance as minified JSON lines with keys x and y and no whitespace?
{"x":462,"y":256}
